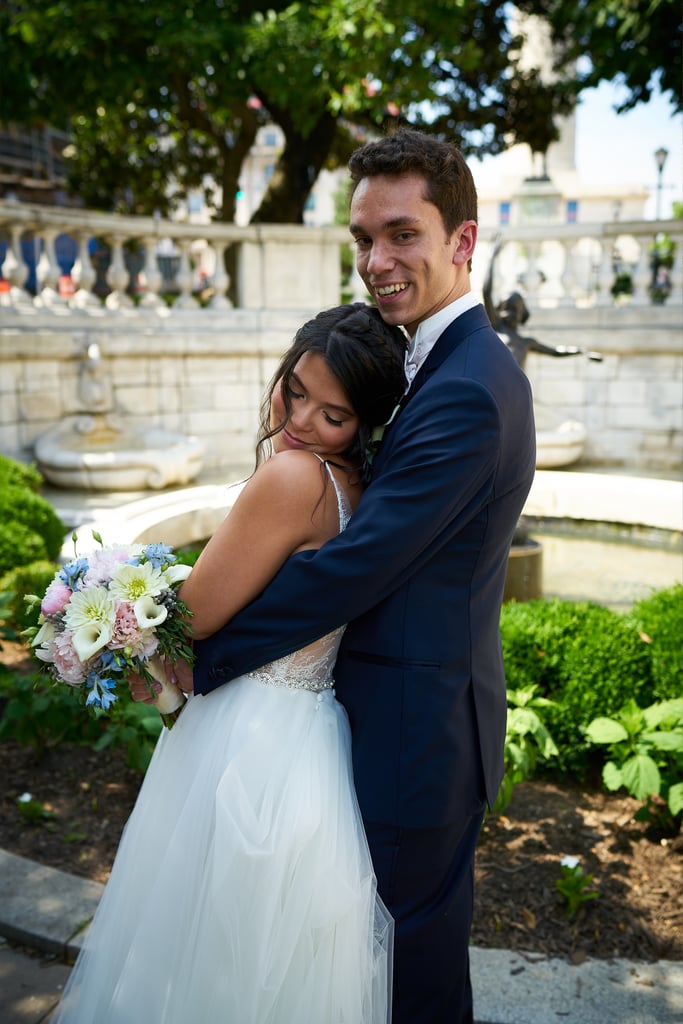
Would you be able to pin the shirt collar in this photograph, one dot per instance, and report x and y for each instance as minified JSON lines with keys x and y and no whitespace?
{"x":430,"y":329}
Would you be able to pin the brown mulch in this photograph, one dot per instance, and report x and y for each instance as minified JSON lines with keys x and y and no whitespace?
{"x":638,"y":873}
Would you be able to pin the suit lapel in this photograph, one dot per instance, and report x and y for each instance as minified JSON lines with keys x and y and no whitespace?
{"x":456,"y":332}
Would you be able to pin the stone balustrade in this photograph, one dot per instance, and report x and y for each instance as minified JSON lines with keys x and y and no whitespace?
{"x":284,"y":266}
{"x":199,"y":366}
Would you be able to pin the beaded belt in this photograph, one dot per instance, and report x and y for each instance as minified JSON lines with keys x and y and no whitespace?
{"x":273,"y":679}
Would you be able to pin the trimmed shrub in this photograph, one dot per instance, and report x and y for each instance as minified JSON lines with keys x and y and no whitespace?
{"x":19,"y":474}
{"x":19,"y":545}
{"x":21,"y":505}
{"x":659,"y":620}
{"x":584,"y":657}
{"x":29,"y":579}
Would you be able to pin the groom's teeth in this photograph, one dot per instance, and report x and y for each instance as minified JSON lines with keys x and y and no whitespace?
{"x":390,"y":289}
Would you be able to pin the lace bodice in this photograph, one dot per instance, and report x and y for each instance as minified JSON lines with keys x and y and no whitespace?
{"x":310,"y":668}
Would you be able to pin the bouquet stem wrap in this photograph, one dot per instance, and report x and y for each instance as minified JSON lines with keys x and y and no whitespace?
{"x":171,"y":701}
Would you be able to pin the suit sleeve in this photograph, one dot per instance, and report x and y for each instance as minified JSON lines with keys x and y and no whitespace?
{"x":436,"y":471}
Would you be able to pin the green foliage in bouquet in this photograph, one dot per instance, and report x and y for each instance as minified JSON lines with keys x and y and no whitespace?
{"x":645,"y":749}
{"x":659,"y":621}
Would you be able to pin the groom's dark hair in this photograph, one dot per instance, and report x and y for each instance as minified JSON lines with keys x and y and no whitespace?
{"x":449,"y":184}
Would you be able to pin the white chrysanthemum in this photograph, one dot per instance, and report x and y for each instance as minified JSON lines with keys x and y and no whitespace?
{"x":132,"y":582}
{"x":148,"y":613}
{"x":90,"y":616}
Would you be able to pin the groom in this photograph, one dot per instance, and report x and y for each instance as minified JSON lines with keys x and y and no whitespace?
{"x":419,"y":572}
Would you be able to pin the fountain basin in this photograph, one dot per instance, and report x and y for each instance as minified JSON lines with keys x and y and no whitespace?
{"x":95,"y":453}
{"x":560,"y":444}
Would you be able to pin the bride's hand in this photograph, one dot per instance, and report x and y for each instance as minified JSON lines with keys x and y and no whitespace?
{"x":181,"y":675}
{"x":140,"y":689}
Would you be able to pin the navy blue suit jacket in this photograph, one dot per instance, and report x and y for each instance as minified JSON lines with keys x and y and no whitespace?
{"x":419,"y":575}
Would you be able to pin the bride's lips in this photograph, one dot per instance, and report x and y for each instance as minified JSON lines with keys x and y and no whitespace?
{"x":291,"y":441}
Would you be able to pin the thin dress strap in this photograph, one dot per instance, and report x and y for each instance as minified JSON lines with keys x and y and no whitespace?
{"x":343,"y":506}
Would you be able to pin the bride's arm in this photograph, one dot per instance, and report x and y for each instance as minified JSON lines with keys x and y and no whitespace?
{"x":281,"y":509}
{"x":278,"y":512}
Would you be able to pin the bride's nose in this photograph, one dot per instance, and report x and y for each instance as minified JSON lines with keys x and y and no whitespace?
{"x":301,"y":418}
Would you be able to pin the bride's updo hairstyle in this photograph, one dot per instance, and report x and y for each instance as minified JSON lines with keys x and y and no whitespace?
{"x":367,"y":358}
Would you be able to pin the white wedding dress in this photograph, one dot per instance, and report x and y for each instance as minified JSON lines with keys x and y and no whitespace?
{"x":243,"y":889}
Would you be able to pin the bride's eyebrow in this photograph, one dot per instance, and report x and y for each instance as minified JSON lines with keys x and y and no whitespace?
{"x":296,"y":379}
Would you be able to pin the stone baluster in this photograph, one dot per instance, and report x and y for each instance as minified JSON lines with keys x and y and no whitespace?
{"x":117,"y":277}
{"x":151,"y":277}
{"x":84,"y":275}
{"x":532,"y":278}
{"x":48,"y":272}
{"x":605,"y":273}
{"x":642,"y":275}
{"x":221,"y":279}
{"x":184,"y":278}
{"x":567,"y":279}
{"x":15,"y":270}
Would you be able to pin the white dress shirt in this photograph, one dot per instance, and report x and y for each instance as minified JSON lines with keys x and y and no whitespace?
{"x":429,"y":330}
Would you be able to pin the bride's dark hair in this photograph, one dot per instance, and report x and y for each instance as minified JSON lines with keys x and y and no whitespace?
{"x":365,"y":354}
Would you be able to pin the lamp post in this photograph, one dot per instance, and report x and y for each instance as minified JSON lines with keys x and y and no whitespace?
{"x":660,"y":159}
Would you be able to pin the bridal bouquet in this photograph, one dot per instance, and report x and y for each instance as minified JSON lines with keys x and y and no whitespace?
{"x":112,"y":613}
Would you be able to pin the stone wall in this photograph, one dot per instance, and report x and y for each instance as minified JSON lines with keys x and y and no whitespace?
{"x":632,"y":402}
{"x":203,"y":373}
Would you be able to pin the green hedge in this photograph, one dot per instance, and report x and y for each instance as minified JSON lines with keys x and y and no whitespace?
{"x":659,"y":620}
{"x":591,"y":661}
{"x":30,"y":529}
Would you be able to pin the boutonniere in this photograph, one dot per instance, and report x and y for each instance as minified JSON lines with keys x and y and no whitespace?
{"x":378,"y":434}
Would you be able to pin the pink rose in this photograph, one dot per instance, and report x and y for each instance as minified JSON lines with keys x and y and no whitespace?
{"x":57,"y":597}
{"x":70,"y":668}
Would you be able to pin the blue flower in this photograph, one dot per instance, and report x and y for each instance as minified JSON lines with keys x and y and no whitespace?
{"x":73,"y":573}
{"x":158,"y":555}
{"x":112,"y":661}
{"x":101,"y":695}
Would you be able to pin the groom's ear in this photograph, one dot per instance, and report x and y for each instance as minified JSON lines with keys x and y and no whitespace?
{"x":466,"y":236}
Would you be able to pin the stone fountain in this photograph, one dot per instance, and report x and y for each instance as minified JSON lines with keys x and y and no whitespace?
{"x":94,"y":449}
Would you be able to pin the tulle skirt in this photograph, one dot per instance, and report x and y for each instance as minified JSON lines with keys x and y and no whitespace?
{"x":243,"y":889}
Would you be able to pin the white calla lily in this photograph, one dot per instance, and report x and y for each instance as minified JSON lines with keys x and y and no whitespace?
{"x":176,"y":573}
{"x":46,"y":633}
{"x":148,"y":613}
{"x":87,"y":640}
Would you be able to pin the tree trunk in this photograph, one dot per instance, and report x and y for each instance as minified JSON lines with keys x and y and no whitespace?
{"x":296,"y":171}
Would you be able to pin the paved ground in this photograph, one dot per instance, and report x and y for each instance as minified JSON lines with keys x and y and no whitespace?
{"x":42,"y":914}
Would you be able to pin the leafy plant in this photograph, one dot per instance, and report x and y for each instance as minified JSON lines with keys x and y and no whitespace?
{"x":573,"y":884}
{"x":526,"y":739}
{"x":587,"y":659}
{"x":645,"y":748}
{"x":658,"y":619}
{"x":32,"y":811}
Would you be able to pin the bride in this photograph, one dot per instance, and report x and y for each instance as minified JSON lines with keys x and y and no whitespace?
{"x":243,"y":889}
